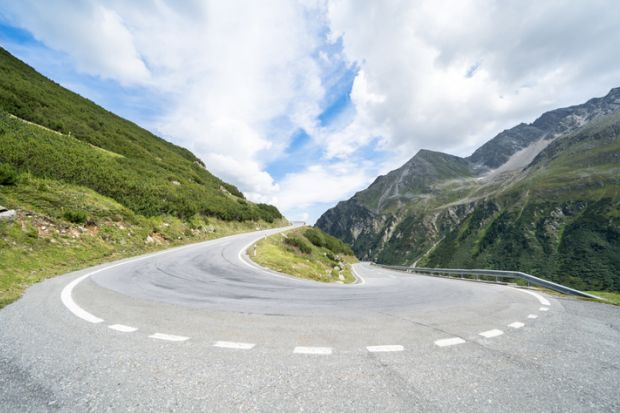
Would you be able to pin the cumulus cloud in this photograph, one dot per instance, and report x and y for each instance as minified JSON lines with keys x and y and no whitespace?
{"x":454,"y":73}
{"x":95,"y":36}
{"x":240,"y":78}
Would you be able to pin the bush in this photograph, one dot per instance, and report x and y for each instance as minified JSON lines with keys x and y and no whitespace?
{"x":315,"y":236}
{"x":323,"y":240}
{"x":298,"y":243}
{"x":8,"y":175}
{"x":77,"y":217}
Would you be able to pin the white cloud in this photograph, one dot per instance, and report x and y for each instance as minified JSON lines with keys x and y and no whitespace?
{"x":239,"y":77}
{"x":93,"y":35}
{"x":529,"y":57}
{"x":320,"y":183}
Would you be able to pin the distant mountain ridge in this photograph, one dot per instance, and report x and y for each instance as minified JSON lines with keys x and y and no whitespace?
{"x":495,"y":207}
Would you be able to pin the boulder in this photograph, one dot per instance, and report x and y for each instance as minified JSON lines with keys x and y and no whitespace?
{"x":7,"y":214}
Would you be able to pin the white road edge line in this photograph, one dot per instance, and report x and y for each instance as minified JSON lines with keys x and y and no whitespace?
{"x":491,"y":333}
{"x":361,"y":279}
{"x":326,"y":351}
{"x":383,"y":349}
{"x":532,"y":316}
{"x":258,"y":267}
{"x":544,"y":308}
{"x":67,"y":300}
{"x":445,"y":342}
{"x":122,"y":328}
{"x":542,"y":300}
{"x":516,"y":324}
{"x":66,"y":295}
{"x":234,"y":345}
{"x":168,"y":337}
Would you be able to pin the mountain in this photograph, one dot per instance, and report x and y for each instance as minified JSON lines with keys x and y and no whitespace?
{"x":542,"y":198}
{"x":82,"y":185}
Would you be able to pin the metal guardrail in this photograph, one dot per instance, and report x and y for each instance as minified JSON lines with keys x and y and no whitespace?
{"x":488,"y":275}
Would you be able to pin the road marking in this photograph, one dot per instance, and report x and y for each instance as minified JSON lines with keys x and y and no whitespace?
{"x":122,"y":328}
{"x":361,"y":279}
{"x":234,"y":345}
{"x":168,"y":337}
{"x":444,"y":342}
{"x":516,"y":324}
{"x":67,"y":299}
{"x":539,"y":297}
{"x":66,"y":295}
{"x":492,"y":333}
{"x":313,"y":350}
{"x":544,"y":308}
{"x":383,"y":349}
{"x":532,"y":316}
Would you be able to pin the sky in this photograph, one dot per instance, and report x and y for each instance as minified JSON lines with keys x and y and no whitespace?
{"x":303,"y":103}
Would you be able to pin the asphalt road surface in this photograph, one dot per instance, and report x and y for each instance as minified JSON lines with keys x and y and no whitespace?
{"x":199,"y":328}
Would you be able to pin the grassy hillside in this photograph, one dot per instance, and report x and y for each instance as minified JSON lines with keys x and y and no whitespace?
{"x":89,"y":186}
{"x":306,"y":253}
{"x":51,"y":132}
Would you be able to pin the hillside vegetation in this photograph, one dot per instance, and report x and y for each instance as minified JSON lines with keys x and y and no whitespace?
{"x":306,"y":253}
{"x":51,"y":132}
{"x":89,"y":186}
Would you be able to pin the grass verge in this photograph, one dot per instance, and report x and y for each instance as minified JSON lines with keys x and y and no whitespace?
{"x":306,"y":253}
{"x":611,"y":297}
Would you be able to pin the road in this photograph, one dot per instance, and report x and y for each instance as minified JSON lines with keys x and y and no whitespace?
{"x":199,"y":328}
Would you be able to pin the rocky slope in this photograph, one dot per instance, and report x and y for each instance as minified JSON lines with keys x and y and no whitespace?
{"x":541,"y":197}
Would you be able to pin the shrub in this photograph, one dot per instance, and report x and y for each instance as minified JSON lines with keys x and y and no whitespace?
{"x":298,"y":243}
{"x":8,"y":175}
{"x":315,"y":236}
{"x":321,"y":239}
{"x":77,"y":217}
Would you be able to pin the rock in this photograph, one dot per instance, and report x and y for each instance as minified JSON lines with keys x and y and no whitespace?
{"x":149,"y":240}
{"x":7,"y":214}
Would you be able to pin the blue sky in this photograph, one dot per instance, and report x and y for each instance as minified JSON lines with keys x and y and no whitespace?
{"x":302,"y":104}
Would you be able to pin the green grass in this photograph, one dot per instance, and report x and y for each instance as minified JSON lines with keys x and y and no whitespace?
{"x":295,"y":254}
{"x":612,"y":298}
{"x":63,"y":227}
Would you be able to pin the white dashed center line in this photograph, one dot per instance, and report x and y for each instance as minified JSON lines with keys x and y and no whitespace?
{"x":122,"y":328}
{"x":444,"y":342}
{"x":383,"y":349}
{"x":234,"y":345}
{"x":313,"y":350}
{"x":168,"y":337}
{"x":532,"y":316}
{"x":516,"y":324}
{"x":544,"y":308}
{"x":491,"y":333}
